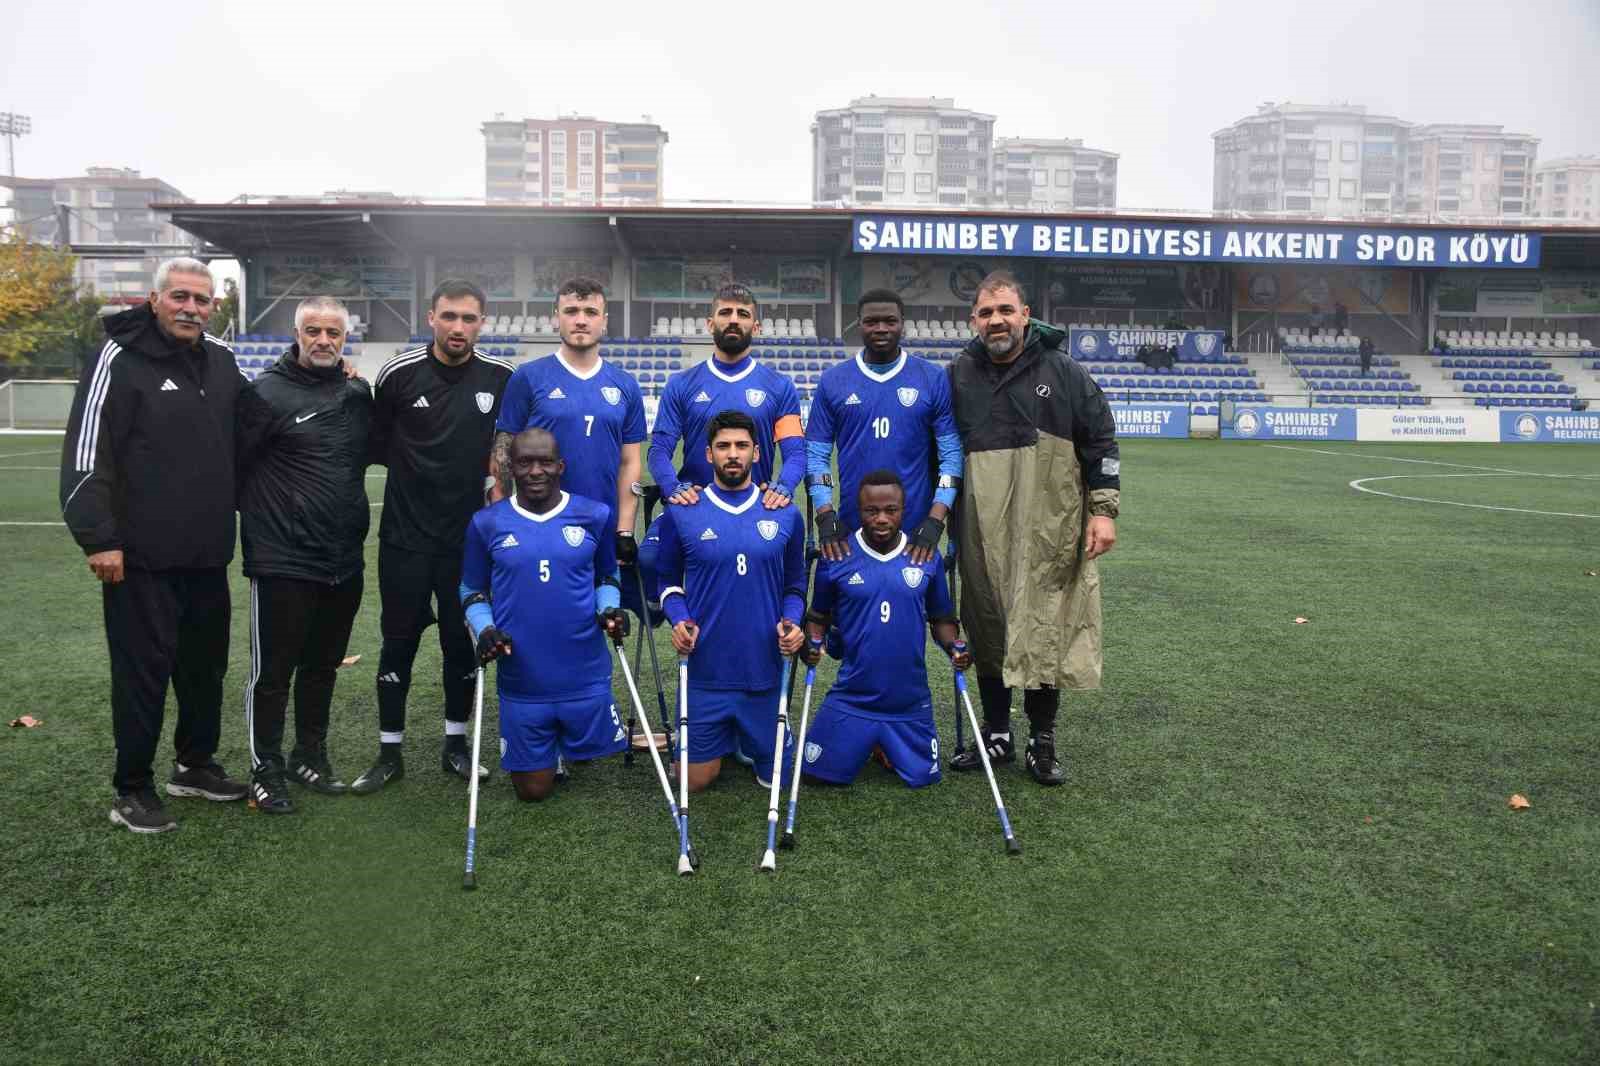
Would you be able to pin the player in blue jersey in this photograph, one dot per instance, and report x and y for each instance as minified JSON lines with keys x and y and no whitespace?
{"x":733,"y":585}
{"x":882,"y":603}
{"x":594,"y":409}
{"x":733,"y":380}
{"x":539,"y":586}
{"x":885,"y":409}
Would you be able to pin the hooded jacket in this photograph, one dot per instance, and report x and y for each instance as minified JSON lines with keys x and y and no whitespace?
{"x":302,"y":445}
{"x":1041,"y":457}
{"x":147,"y":465}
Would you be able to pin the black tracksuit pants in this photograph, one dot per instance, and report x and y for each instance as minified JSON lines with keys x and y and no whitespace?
{"x":298,"y":629}
{"x":166,"y":626}
{"x":409,"y":584}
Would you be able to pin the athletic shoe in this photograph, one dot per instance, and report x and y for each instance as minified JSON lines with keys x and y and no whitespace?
{"x":387,"y":768}
{"x":269,"y":791}
{"x":314,"y":772}
{"x":1042,"y":759}
{"x":1001,"y":750}
{"x":459,"y":764}
{"x":210,"y":782}
{"x":141,"y":812}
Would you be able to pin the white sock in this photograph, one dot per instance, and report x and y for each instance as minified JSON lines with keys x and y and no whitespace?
{"x":454,"y":729}
{"x":391,"y":738}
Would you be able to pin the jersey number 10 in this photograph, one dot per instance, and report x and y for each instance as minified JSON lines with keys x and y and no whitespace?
{"x":880,"y":427}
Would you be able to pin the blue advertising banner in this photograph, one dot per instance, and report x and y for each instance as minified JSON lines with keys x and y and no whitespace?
{"x":1089,"y":344}
{"x":1215,"y":242}
{"x":1563,"y":427}
{"x":1151,"y":419}
{"x":1290,"y":423}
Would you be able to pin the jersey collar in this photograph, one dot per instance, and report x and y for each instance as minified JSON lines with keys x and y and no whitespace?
{"x":730,"y":508}
{"x":557,"y":509}
{"x":575,"y":372}
{"x":716,"y":371}
{"x":880,"y":375}
{"x":898,"y":548}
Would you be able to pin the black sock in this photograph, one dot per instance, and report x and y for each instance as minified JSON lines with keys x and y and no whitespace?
{"x":455,"y":742}
{"x":389,"y":752}
{"x":1040,"y":705}
{"x":996,"y":700}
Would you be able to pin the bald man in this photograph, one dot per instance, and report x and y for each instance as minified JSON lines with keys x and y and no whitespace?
{"x":540,"y":590}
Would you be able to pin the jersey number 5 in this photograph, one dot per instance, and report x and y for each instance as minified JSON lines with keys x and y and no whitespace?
{"x":544,"y":570}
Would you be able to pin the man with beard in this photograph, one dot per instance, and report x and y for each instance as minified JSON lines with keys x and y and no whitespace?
{"x":147,"y":491}
{"x":730,"y":380}
{"x":302,"y":443}
{"x":884,"y":410}
{"x":733,"y":586}
{"x":593,"y":408}
{"x":539,"y":589}
{"x":433,"y":422}
{"x":1038,"y":506}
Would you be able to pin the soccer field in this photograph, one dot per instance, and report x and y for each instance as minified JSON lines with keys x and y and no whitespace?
{"x":1279,"y":842}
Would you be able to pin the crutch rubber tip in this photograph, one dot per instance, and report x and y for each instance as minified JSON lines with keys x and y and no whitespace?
{"x":685,"y":866}
{"x":469,"y":881}
{"x":769,"y":862}
{"x":1013,"y":847}
{"x":786,"y":842}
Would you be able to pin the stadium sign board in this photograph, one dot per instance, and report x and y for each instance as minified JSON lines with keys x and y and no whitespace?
{"x":1089,"y":345}
{"x":1198,"y":242}
{"x":1474,"y":425}
{"x":1253,"y":422}
{"x":1151,"y":419}
{"x":1550,"y":427}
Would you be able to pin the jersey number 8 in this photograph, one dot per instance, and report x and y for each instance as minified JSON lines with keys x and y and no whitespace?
{"x":739,"y":564}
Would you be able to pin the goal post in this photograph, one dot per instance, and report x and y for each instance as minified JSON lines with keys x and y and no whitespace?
{"x":36,"y":404}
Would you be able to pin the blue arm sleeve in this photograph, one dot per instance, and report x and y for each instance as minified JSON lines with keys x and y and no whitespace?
{"x":938,"y":602}
{"x":819,"y":462}
{"x":516,"y":404}
{"x":669,"y":572}
{"x":792,"y":450}
{"x":950,"y":464}
{"x":659,"y":461}
{"x":794,"y":570}
{"x":479,"y":614}
{"x":607,"y":597}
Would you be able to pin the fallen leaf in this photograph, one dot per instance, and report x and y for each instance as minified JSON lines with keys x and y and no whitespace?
{"x":349,"y":660}
{"x":27,"y":721}
{"x":1301,"y":621}
{"x":1518,"y":802}
{"x":1591,"y":573}
{"x":1369,"y":819}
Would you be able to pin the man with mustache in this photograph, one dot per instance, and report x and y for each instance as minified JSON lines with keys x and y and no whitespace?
{"x":434,"y":409}
{"x":147,"y":491}
{"x":733,"y":586}
{"x":1038,"y":505}
{"x":302,"y":444}
{"x":539,"y":587}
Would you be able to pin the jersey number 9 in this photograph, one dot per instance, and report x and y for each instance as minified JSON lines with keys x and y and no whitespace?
{"x":883,"y":611}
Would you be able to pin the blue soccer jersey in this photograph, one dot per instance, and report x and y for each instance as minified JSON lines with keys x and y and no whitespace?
{"x":591,"y":416}
{"x":897,"y":418}
{"x":694,"y":396}
{"x":540,"y":572}
{"x":734,"y":568}
{"x":882,"y":605}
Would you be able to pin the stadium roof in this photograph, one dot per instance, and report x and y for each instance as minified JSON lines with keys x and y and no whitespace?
{"x":247,"y":229}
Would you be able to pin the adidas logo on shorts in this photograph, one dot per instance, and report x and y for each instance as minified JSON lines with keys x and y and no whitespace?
{"x":391,"y":677}
{"x":709,"y":534}
{"x":852,"y":399}
{"x":168,"y":386}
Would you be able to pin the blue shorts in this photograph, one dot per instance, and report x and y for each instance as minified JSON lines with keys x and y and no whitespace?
{"x":719,"y":719}
{"x":533,"y":734}
{"x":840,"y":741}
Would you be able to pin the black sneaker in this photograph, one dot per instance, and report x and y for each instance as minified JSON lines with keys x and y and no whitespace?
{"x":1042,"y":760}
{"x":314,"y":772}
{"x":141,"y":812}
{"x":210,"y":782}
{"x":459,"y":762}
{"x":1001,"y":750}
{"x":269,"y":791}
{"x":387,"y":768}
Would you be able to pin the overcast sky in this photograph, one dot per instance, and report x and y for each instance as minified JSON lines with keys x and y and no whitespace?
{"x":297,"y":97}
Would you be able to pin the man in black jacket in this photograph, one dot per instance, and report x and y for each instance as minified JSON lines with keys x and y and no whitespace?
{"x":147,"y":491}
{"x":302,"y":444}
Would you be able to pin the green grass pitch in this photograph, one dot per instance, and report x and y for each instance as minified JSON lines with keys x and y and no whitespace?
{"x":1279,"y":843}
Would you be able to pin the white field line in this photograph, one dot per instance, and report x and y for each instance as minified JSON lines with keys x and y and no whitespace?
{"x":1360,"y":485}
{"x":1424,"y":462}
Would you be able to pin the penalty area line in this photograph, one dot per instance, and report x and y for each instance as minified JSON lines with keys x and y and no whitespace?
{"x":1360,"y":485}
{"x":1425,"y":462}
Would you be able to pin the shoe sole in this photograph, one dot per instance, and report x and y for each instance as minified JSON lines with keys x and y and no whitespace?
{"x":979,"y":766}
{"x":254,"y":806}
{"x":483,"y":774}
{"x":193,"y":791}
{"x":338,"y":789}
{"x":118,"y":819}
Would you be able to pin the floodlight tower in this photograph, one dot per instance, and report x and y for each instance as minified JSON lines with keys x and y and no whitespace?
{"x":13,"y":126}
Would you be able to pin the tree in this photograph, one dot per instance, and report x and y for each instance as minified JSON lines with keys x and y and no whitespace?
{"x":42,"y":310}
{"x":226,"y":311}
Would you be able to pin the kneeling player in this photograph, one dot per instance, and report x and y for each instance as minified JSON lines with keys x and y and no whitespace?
{"x":880,"y":601}
{"x":539,"y":585}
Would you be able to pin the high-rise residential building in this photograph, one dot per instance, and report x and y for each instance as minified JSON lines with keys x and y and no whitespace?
{"x":575,"y":159}
{"x":1339,"y":160}
{"x":108,"y":206}
{"x":902,"y":150}
{"x":1471,"y":171}
{"x":1034,"y":174}
{"x":1568,"y":188}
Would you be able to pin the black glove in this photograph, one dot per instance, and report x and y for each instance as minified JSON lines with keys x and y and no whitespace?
{"x":829,"y":529}
{"x":627,"y":548}
{"x":604,"y":618}
{"x":928,"y":533}
{"x":492,"y":644}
